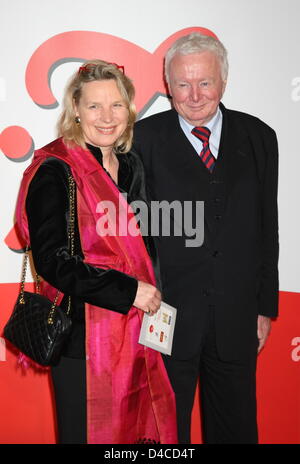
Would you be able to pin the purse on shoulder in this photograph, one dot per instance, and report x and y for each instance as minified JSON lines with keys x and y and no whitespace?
{"x":38,"y":327}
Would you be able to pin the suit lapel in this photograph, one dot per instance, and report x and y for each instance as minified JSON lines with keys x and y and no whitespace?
{"x":231,"y":155}
{"x":194,"y":177}
{"x":183,"y":153}
{"x":187,"y":161}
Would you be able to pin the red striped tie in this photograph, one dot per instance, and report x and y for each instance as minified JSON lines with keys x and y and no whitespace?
{"x":203,"y":133}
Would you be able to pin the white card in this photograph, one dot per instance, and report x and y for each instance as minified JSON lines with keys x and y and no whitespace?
{"x":157,"y":330}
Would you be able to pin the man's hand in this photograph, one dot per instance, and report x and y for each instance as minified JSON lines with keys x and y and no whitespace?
{"x":263,"y":330}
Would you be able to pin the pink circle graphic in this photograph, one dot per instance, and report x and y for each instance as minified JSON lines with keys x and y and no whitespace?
{"x":16,"y":143}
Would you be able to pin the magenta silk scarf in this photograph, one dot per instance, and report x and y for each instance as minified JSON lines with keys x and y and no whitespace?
{"x":129,"y":396}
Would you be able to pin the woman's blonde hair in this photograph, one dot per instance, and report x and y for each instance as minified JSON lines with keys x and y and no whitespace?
{"x":95,"y":70}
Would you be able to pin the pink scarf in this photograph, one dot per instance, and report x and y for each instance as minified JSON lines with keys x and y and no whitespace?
{"x":129,"y":397}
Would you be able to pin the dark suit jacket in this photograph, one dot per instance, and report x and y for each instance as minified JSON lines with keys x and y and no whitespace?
{"x":234,"y":273}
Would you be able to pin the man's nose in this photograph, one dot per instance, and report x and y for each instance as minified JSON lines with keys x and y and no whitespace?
{"x":195,"y":93}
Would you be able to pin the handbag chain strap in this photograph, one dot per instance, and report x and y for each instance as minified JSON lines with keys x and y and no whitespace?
{"x":71,"y":236}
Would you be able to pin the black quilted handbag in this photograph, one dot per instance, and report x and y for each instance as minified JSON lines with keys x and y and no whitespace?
{"x":37,"y":326}
{"x":35,"y":331}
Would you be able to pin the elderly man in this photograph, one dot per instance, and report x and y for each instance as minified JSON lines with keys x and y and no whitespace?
{"x":225,"y":290}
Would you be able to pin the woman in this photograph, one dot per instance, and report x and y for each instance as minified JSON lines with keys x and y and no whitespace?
{"x":108,"y":388}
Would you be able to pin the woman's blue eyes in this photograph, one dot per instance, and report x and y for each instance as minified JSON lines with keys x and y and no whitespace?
{"x":115,"y":105}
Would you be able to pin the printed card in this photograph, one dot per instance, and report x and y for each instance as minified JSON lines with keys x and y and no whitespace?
{"x":157,"y":330}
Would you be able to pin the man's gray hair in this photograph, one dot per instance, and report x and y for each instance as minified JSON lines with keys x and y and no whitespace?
{"x":197,"y":43}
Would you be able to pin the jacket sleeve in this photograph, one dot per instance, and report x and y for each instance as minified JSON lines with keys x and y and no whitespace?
{"x":47,"y":207}
{"x":268,"y":294}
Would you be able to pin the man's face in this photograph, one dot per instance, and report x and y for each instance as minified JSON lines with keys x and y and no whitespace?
{"x":196,"y":86}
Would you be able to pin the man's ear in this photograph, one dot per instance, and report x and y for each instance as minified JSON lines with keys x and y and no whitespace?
{"x":224,"y":87}
{"x":169,"y":91}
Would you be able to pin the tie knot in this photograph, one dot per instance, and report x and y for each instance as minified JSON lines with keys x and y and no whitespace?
{"x":203,"y":133}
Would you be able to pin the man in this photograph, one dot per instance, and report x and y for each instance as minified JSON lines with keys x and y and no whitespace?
{"x":225,"y":290}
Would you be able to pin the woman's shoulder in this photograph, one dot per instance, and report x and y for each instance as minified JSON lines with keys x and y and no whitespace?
{"x":52,"y":171}
{"x":55,"y":163}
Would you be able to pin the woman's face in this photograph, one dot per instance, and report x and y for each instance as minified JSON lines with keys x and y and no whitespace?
{"x":103,"y":114}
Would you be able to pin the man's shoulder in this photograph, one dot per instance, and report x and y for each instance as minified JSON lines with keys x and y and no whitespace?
{"x":248,"y":120}
{"x":157,"y":120}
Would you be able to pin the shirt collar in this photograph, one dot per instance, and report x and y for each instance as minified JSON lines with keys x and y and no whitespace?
{"x":211,"y":125}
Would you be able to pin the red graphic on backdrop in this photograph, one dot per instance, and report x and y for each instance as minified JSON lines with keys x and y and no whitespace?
{"x":143,"y":67}
{"x":16,"y":143}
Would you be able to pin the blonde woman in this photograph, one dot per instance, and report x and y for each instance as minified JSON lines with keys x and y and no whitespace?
{"x":108,"y":388}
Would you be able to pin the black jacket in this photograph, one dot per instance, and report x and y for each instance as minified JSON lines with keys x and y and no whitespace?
{"x":47,"y":207}
{"x":235,"y":271}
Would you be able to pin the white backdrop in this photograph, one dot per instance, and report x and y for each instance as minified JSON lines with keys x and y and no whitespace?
{"x":262,"y":38}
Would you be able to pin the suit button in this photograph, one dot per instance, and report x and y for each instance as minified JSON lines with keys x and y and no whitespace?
{"x":217,"y":200}
{"x":217,"y":254}
{"x":206,"y":293}
{"x":218,"y":217}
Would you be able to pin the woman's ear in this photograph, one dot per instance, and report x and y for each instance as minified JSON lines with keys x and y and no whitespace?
{"x":75,"y":108}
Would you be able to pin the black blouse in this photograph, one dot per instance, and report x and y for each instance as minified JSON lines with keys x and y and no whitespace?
{"x":47,"y":207}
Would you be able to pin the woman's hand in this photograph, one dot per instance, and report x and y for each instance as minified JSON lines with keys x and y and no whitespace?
{"x":147,"y":298}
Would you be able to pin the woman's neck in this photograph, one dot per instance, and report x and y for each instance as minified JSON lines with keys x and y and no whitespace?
{"x":110,"y":163}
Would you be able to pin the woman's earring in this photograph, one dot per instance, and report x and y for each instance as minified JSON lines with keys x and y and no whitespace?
{"x":77,"y":120}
